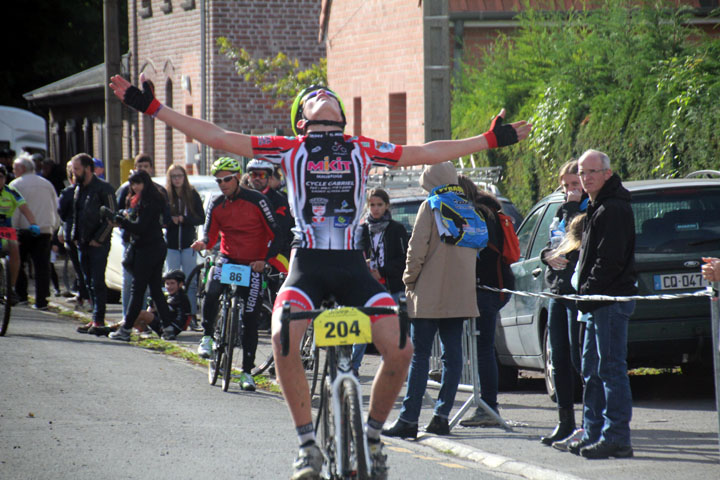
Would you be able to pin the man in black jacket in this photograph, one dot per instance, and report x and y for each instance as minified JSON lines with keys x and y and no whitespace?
{"x":91,"y":233}
{"x":606,"y":267}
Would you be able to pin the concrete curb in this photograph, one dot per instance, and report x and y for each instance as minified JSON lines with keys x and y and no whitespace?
{"x":494,"y":462}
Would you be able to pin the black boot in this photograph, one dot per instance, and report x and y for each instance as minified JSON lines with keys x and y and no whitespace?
{"x":438,"y":426}
{"x":401,"y":429}
{"x":563,"y":429}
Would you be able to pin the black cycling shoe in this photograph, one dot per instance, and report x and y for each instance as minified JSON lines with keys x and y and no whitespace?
{"x":401,"y":429}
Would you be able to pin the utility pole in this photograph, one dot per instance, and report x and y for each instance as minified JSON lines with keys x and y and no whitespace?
{"x":113,"y":107}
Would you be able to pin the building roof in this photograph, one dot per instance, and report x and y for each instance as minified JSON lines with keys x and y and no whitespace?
{"x":88,"y":84}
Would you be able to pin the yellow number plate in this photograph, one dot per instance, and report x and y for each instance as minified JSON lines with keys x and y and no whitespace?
{"x":342,"y":326}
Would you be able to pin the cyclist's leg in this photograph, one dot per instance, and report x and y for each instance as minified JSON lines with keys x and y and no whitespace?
{"x":14,"y":253}
{"x":289,"y":369}
{"x":213,"y":290}
{"x":253,"y":304}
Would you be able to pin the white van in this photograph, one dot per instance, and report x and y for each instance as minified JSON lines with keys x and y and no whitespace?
{"x":22,"y":130}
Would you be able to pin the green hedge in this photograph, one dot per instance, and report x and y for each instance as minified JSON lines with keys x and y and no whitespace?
{"x":634,"y":80}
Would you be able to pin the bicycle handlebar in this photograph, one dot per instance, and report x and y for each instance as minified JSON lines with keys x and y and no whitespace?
{"x":288,"y":316}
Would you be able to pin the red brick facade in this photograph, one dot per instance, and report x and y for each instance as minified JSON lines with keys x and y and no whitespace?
{"x":168,"y":50}
{"x":375,"y":50}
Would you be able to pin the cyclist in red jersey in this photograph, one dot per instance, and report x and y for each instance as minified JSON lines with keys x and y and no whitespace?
{"x":249,"y":237}
{"x":326,"y":172}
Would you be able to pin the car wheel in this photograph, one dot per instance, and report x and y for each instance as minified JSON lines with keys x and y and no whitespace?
{"x":549,"y":381}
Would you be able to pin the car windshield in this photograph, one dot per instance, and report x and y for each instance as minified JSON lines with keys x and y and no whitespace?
{"x":677,"y":220}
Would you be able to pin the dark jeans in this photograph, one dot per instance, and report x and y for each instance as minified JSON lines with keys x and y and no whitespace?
{"x":565,"y":348}
{"x":422,"y":332}
{"x":36,"y":248}
{"x":72,"y":252}
{"x":93,"y":261}
{"x":147,"y":272}
{"x":252,"y":296}
{"x":607,"y":397}
{"x":489,"y":304}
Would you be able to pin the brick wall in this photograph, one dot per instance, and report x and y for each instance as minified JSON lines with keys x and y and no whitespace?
{"x":169,"y":47}
{"x":375,"y":49}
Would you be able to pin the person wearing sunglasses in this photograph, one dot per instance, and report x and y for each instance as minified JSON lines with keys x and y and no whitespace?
{"x":326,"y":172}
{"x":248,"y":236}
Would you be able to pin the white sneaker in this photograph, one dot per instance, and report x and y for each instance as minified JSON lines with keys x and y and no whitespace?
{"x":205,"y":347}
{"x":308,"y":463}
{"x":564,"y":444}
{"x":120,"y":334}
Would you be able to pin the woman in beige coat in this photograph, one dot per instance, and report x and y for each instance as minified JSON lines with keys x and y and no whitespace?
{"x":440,"y":288}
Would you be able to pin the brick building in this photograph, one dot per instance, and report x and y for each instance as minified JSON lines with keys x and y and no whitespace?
{"x":174,"y":42}
{"x":392,"y":61}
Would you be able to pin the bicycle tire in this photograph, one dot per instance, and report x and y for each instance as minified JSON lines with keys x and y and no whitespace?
{"x":316,"y":365}
{"x":231,"y":331}
{"x":264,"y":365}
{"x":355,"y":458}
{"x":326,"y":428}
{"x":5,"y":294}
{"x":216,"y":355}
{"x":197,"y":276}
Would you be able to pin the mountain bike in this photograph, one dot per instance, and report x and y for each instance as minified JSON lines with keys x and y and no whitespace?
{"x":339,"y":420}
{"x":229,"y":330}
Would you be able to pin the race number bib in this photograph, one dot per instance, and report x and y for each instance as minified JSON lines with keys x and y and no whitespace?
{"x":8,"y":233}
{"x":342,"y":326}
{"x":233,"y":274}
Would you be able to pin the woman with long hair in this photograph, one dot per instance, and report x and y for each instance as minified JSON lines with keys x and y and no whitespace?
{"x":142,"y":218}
{"x":384,"y":242}
{"x":186,"y":213}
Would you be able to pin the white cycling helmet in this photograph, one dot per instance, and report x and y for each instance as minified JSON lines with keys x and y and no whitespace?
{"x":256,"y":164}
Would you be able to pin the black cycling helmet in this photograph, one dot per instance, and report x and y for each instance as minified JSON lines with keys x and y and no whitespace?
{"x":296,"y":111}
{"x":176,"y":274}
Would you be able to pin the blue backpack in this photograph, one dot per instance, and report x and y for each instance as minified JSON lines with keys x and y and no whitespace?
{"x":457,"y":221}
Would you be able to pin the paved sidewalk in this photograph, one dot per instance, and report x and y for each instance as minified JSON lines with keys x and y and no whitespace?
{"x":668,"y":444}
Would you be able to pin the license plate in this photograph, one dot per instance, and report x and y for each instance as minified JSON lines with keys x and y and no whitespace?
{"x":233,"y":274}
{"x":677,"y":281}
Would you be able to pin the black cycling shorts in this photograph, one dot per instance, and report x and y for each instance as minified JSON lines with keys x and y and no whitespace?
{"x":317,"y":274}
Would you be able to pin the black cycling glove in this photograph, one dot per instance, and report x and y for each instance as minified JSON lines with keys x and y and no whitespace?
{"x":144,"y":101}
{"x":500,"y":135}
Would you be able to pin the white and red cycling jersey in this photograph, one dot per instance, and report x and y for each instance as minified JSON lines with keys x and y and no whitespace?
{"x":326,"y":175}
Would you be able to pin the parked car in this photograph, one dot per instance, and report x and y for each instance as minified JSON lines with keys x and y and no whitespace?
{"x":677,"y":222}
{"x":206,"y":187}
{"x":406,"y":194}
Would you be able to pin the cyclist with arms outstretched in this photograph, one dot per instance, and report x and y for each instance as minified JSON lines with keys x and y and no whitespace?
{"x":326,"y":173}
{"x":248,"y":233}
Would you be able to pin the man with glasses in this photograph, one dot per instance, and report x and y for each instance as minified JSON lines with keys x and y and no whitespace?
{"x":248,"y":232}
{"x":326,"y":172}
{"x":606,"y":267}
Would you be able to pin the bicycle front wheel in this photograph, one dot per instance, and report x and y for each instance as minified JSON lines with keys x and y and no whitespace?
{"x":218,"y":349}
{"x":5,"y":294}
{"x":231,"y":332}
{"x":354,"y":451}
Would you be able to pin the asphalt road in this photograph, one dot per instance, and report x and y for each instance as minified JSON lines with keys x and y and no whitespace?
{"x":81,"y":407}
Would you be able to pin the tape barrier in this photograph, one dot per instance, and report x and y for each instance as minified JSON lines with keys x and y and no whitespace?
{"x":707,"y":292}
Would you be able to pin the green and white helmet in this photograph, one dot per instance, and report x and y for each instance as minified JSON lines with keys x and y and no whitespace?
{"x":225,"y":164}
{"x":296,"y":111}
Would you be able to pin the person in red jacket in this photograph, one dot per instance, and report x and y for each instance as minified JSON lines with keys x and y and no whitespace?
{"x":244,"y":218}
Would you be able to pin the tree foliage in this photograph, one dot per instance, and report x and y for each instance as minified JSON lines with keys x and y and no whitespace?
{"x":281,"y":76}
{"x":635,"y":80}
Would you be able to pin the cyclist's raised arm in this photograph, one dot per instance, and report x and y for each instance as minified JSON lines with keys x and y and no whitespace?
{"x":205,"y":132}
{"x":499,"y":135}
